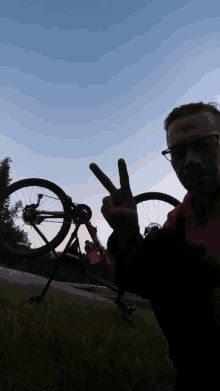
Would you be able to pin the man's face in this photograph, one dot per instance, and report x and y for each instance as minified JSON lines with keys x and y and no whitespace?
{"x":198,"y":165}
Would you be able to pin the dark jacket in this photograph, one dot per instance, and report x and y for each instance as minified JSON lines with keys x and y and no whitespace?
{"x":163,"y":256}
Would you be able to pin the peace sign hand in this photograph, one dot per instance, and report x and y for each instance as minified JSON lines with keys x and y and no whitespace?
{"x":119,"y":209}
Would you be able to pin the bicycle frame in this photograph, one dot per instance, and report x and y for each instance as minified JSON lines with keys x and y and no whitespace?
{"x":79,"y":214}
{"x":124,"y":309}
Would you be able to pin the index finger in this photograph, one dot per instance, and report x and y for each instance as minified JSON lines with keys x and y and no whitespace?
{"x":105,"y":181}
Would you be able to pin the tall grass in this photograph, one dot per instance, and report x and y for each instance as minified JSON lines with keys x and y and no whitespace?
{"x":67,"y":342}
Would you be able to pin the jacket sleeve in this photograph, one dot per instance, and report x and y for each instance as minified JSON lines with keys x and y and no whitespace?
{"x":128,"y":255}
{"x":132,"y":258}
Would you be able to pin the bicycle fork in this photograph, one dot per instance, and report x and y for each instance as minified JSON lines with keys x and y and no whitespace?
{"x":58,"y":259}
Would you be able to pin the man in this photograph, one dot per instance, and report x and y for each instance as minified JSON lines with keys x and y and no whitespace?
{"x":167,"y":266}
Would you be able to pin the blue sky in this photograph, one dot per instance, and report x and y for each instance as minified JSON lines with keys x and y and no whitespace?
{"x":93,"y":81}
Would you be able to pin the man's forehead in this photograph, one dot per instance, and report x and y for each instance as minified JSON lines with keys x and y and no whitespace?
{"x":197,"y":125}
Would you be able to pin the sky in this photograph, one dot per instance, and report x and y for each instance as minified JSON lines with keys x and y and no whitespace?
{"x":93,"y":81}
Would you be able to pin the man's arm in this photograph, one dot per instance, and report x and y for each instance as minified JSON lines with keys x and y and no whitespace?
{"x":126,"y":250}
{"x":120,"y":211}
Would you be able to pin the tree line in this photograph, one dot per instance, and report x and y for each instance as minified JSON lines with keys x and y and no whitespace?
{"x":9,"y":230}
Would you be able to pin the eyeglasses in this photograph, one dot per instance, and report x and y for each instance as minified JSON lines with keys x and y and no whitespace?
{"x":178,"y":153}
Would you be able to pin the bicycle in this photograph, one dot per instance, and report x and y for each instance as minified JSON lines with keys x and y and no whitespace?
{"x":68,"y":213}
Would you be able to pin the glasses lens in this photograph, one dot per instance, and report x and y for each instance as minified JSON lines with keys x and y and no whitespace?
{"x":201,"y":146}
{"x":168,"y":156}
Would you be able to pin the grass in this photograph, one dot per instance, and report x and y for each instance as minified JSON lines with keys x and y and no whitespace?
{"x":68,"y":342}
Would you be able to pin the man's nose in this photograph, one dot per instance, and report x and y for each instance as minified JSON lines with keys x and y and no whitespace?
{"x":192,"y":156}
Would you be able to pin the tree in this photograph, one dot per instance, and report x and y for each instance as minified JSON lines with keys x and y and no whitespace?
{"x":9,"y":230}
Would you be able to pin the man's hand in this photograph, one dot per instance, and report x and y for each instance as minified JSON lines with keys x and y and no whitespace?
{"x":119,"y":209}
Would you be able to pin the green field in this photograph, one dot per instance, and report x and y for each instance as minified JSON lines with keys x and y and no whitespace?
{"x":67,"y":343}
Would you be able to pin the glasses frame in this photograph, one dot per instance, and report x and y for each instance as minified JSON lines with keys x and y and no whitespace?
{"x":187,"y":143}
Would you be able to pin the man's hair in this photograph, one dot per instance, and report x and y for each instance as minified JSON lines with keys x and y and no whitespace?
{"x":190,"y":109}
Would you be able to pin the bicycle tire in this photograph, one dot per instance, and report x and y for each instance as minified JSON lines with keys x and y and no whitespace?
{"x":157,"y":196}
{"x":27,"y":252}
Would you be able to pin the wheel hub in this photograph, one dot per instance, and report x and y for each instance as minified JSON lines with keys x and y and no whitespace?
{"x":29,"y":215}
{"x":152,"y":227}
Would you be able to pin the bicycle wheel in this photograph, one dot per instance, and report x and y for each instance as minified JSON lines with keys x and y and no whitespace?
{"x":152,"y":209}
{"x":25,"y":192}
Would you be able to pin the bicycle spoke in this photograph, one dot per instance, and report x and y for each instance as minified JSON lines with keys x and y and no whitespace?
{"x":153,"y":209}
